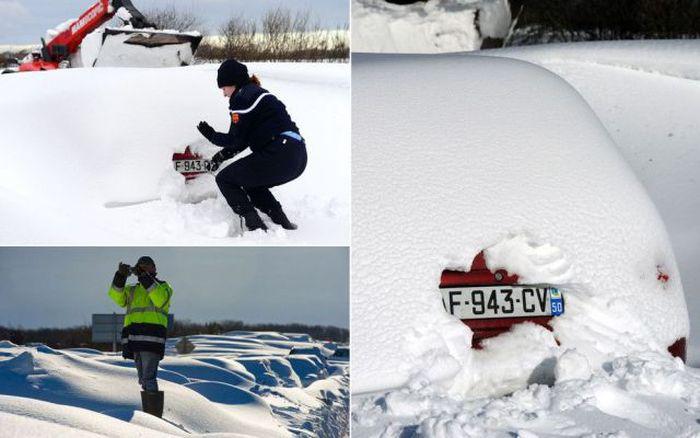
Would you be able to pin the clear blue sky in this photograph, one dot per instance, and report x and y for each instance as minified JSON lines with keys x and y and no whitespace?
{"x":58,"y":287}
{"x":26,"y":21}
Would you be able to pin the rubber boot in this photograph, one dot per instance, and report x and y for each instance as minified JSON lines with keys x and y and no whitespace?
{"x":253,"y":221}
{"x":153,"y":402}
{"x":278,"y":217}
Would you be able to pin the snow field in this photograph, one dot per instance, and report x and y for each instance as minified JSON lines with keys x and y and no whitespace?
{"x":219,"y":390}
{"x":93,"y":147}
{"x":647,"y":95}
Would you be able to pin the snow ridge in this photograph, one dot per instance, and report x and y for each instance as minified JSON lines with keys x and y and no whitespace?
{"x":240,"y":383}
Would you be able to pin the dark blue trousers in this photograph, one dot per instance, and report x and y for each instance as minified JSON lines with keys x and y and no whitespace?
{"x":246,"y":183}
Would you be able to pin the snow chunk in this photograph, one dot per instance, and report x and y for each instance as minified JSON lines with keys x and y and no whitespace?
{"x":494,"y":18}
{"x":532,"y":263}
{"x":53,"y":33}
{"x":22,"y":365}
{"x":430,"y":27}
{"x":572,"y":365}
{"x":124,"y":15}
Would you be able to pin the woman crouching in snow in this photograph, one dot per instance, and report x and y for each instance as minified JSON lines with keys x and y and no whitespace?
{"x":259,"y":121}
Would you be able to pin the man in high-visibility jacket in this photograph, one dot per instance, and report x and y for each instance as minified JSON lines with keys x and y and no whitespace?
{"x":145,"y":325}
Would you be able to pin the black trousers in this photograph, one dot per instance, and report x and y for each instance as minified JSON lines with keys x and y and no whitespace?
{"x":246,"y":183}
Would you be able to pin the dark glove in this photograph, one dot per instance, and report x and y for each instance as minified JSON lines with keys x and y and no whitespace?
{"x":220,"y":157}
{"x":124,"y":269}
{"x":146,"y":280}
{"x":206,"y":130}
{"x":120,"y":276}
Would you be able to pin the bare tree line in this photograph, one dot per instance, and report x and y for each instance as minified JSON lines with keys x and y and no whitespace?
{"x":545,"y":21}
{"x":81,"y":336}
{"x":170,"y":18}
{"x":281,"y":35}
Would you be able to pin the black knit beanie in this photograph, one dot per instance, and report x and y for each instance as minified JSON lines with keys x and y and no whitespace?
{"x":232,"y":72}
{"x":146,"y":260}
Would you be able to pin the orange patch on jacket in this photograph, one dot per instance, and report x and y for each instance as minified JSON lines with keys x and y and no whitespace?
{"x":235,"y":117}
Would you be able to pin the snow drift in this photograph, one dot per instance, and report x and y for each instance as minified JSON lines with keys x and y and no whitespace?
{"x":87,"y":156}
{"x":427,"y":27}
{"x":647,"y":95}
{"x":45,"y":392}
{"x":642,"y":396}
{"x":507,"y":155}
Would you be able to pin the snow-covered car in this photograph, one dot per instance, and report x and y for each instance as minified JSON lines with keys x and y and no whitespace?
{"x":341,"y":353}
{"x":463,"y":154}
{"x":322,"y":354}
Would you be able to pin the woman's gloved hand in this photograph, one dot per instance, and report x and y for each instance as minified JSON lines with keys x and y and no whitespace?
{"x":220,"y":157}
{"x":206,"y":130}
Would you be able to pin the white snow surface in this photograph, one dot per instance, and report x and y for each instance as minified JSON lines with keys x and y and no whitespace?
{"x":56,"y":31}
{"x":433,"y":26}
{"x":88,"y":156}
{"x":646,"y":395}
{"x":231,"y":385}
{"x":608,"y":374}
{"x":647,"y":94}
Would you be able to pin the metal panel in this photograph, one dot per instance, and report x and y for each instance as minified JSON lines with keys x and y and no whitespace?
{"x":107,"y":327}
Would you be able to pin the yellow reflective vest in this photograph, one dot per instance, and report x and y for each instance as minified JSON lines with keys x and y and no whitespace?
{"x":146,"y":319}
{"x":149,"y":306}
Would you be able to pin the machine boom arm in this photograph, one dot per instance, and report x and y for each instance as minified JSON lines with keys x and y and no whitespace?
{"x":67,"y":42}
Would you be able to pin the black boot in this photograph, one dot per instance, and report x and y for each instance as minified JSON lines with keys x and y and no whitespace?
{"x":278,"y":217}
{"x":253,"y":221}
{"x":153,"y":402}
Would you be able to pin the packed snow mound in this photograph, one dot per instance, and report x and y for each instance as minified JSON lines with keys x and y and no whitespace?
{"x":647,"y":94}
{"x":646,"y":395}
{"x":527,"y":171}
{"x":29,"y":417}
{"x":101,"y":161}
{"x":677,"y":58}
{"x":531,"y":262}
{"x":51,"y":392}
{"x":433,"y":26}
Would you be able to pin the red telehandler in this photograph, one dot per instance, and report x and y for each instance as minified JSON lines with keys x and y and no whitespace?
{"x":60,"y":50}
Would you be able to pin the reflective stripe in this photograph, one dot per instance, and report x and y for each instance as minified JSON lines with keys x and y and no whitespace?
{"x":170,"y":294}
{"x":252,"y":107}
{"x":145,"y":338}
{"x":146,"y":309}
{"x":293,"y":135}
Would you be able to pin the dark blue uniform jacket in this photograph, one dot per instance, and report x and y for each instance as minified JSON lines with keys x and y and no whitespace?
{"x":257,"y":117}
